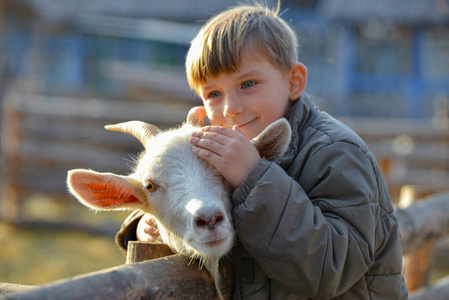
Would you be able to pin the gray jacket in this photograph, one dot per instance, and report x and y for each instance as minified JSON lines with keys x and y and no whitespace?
{"x":319,"y":224}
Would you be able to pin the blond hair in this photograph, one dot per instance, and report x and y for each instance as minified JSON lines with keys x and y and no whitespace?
{"x":220,"y":43}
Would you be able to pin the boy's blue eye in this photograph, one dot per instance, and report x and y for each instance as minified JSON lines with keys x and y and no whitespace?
{"x":248,"y":84}
{"x":214,"y":94}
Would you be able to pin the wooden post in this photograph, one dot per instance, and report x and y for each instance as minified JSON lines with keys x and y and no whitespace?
{"x":9,"y":191}
{"x":148,"y":251}
{"x":141,"y":251}
{"x":417,"y":265}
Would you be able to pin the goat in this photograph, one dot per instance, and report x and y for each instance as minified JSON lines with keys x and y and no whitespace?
{"x":187,"y":196}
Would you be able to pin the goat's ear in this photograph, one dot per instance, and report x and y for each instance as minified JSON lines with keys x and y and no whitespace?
{"x":274,"y":140}
{"x":105,"y":191}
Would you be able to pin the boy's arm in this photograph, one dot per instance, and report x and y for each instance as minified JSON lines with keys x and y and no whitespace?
{"x":128,"y":230}
{"x":139,"y":226}
{"x":318,"y":242}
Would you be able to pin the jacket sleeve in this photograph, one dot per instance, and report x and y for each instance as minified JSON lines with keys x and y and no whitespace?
{"x":315,"y":238}
{"x":127,"y":231}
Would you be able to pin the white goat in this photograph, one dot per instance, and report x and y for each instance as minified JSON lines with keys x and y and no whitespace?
{"x":187,"y":196}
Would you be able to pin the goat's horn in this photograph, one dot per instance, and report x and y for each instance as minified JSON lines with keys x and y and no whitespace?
{"x":141,"y":130}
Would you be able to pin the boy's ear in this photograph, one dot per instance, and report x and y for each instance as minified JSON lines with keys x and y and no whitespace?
{"x":298,"y":80}
{"x":196,"y":116}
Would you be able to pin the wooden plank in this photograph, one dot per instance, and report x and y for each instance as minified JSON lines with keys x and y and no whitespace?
{"x":409,"y":176}
{"x":421,"y":154}
{"x":172,"y":277}
{"x":60,"y":154}
{"x":63,"y":131}
{"x":8,"y":288}
{"x":376,"y":128}
{"x":108,"y":110}
{"x":424,"y":221}
{"x":437,"y":291}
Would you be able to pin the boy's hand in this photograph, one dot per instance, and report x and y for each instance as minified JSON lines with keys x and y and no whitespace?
{"x":229,"y":150}
{"x":147,"y":230}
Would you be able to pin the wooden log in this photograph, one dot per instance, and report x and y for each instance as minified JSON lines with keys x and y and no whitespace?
{"x":172,"y":277}
{"x":417,"y":265}
{"x":438,"y":291}
{"x":7,"y":288}
{"x":424,"y":221}
{"x":114,"y":284}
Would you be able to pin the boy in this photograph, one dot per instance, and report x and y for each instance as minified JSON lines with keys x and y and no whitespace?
{"x":318,"y":224}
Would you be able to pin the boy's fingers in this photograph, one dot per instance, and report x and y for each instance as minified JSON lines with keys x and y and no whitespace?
{"x":206,"y":154}
{"x":209,"y":136}
{"x":151,"y":231}
{"x":234,"y":133}
{"x":237,"y":128}
{"x":213,"y":145}
{"x":196,"y":115}
{"x":150,"y":220}
{"x":220,"y":130}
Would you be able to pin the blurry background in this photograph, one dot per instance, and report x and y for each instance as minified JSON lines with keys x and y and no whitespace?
{"x":67,"y":68}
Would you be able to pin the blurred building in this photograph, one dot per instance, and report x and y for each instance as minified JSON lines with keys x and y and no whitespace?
{"x":394,"y":55}
{"x":365,"y":58}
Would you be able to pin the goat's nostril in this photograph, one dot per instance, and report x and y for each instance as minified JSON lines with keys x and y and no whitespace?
{"x":211,"y":223}
{"x":200,"y":222}
{"x":219,"y":219}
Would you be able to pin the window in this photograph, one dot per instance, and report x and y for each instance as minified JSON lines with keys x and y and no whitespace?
{"x":383,"y":49}
{"x":437,"y":53}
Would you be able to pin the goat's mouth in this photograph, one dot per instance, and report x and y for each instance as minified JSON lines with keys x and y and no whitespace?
{"x":215,"y":242}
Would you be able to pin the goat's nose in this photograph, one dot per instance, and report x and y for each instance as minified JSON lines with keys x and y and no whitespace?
{"x":209,"y":222}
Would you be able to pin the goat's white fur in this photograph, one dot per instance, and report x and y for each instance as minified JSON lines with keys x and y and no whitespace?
{"x":187,"y":188}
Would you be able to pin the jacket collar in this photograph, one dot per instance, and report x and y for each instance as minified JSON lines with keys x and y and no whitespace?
{"x":300,"y":115}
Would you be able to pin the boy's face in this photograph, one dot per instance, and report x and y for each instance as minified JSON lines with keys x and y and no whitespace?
{"x":252,"y":97}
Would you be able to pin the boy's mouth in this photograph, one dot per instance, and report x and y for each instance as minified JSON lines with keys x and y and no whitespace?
{"x":244,"y":124}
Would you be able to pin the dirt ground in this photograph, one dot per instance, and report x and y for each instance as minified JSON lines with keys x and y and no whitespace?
{"x":32,"y":257}
{"x":36,"y":256}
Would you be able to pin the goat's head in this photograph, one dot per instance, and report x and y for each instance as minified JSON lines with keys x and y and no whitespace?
{"x":187,"y":196}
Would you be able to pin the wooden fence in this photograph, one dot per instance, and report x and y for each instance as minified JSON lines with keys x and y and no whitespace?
{"x":43,"y":137}
{"x":169,"y":276}
{"x":409,"y":152}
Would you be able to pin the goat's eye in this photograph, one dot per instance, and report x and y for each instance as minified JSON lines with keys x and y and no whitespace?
{"x":151,"y":186}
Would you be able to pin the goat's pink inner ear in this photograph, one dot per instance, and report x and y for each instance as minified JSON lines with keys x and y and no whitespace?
{"x":109,"y":195}
{"x":104,"y":190}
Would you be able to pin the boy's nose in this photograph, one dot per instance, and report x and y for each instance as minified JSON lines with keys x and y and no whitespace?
{"x":233,"y":107}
